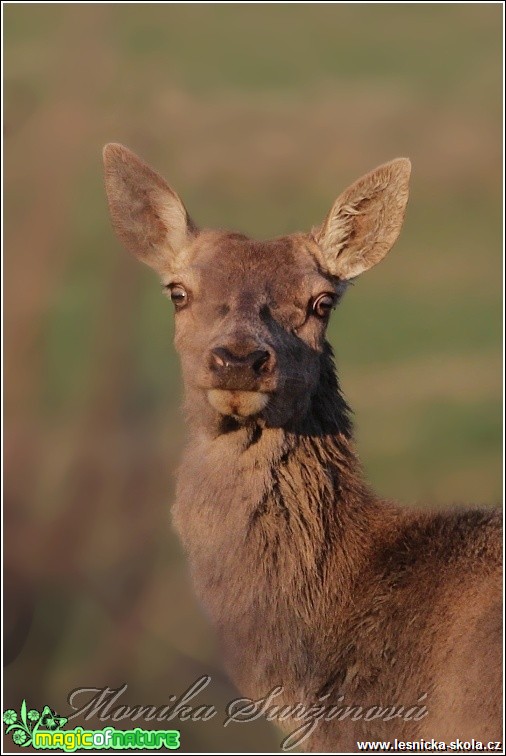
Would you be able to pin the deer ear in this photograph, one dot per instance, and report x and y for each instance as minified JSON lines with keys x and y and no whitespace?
{"x":147,"y":215}
{"x":365,"y":220}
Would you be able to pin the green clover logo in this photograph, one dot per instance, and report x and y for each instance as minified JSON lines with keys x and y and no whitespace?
{"x":19,"y":737}
{"x":22,"y":727}
{"x":10,"y":716}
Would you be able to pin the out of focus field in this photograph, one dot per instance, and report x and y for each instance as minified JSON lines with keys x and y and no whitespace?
{"x":258,"y":116}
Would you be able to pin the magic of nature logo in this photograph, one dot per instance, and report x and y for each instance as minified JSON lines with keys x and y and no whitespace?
{"x":44,"y":730}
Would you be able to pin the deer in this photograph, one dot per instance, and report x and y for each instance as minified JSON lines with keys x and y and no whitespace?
{"x":315,"y":586}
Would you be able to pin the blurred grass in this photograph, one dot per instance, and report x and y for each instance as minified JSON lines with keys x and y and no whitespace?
{"x":259,"y":116}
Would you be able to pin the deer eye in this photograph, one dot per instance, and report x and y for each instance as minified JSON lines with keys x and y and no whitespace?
{"x":323,"y":304}
{"x":179,"y":296}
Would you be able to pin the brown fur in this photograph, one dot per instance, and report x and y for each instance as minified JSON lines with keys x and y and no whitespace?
{"x":312,"y":581}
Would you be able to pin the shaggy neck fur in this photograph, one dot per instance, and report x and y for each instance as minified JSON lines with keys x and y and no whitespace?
{"x":265,"y":514}
{"x":314,"y":584}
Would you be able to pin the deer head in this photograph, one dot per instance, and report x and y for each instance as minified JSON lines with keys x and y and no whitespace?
{"x":251,"y":315}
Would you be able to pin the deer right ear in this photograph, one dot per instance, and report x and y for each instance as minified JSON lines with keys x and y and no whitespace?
{"x":147,"y":215}
{"x":365,"y":220}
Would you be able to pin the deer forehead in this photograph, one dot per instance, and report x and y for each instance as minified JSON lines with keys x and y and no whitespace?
{"x":224,"y":266}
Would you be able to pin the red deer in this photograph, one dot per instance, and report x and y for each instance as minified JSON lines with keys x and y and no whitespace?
{"x":312,"y":581}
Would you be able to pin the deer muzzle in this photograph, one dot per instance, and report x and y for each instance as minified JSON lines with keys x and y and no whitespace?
{"x":241,"y":378}
{"x":237,"y":403}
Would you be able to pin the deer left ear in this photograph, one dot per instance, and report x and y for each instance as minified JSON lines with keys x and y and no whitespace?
{"x":365,"y":220}
{"x":147,"y":215}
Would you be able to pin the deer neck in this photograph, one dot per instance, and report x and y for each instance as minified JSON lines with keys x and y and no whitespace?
{"x":265,"y":513}
{"x":323,"y":436}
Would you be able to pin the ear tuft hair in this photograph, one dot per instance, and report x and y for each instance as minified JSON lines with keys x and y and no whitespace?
{"x":365,"y":220}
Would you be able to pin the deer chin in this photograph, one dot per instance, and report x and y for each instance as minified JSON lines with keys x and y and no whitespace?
{"x":237,"y":403}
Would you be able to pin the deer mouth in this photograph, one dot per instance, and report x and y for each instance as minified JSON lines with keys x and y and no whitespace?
{"x":237,"y":403}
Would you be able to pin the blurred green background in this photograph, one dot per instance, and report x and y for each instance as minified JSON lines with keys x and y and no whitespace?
{"x":258,"y":115}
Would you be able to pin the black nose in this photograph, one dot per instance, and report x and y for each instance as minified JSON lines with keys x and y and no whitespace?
{"x":241,"y":371}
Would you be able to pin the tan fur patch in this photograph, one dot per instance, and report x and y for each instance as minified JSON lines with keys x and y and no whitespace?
{"x":238,"y":403}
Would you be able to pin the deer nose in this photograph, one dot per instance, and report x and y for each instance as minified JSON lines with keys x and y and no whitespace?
{"x":241,"y":369}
